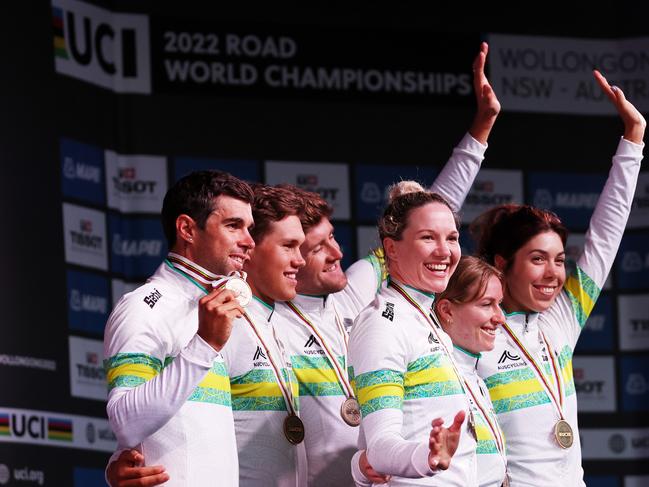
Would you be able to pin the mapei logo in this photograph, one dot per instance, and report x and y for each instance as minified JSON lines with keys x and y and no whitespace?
{"x":35,"y":427}
{"x":632,"y":261}
{"x":102,"y":47}
{"x":79,"y":170}
{"x":80,"y":301}
{"x":136,"y":247}
{"x":636,"y":384}
{"x":370,"y":193}
{"x":543,"y":198}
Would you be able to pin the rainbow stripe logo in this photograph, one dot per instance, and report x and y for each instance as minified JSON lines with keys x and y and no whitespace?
{"x":59,"y":429}
{"x":4,"y":425}
{"x":60,"y":48}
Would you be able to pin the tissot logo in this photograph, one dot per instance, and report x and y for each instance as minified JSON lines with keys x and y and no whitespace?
{"x":311,"y":342}
{"x":102,"y":47}
{"x":259,"y":354}
{"x":127,"y":183}
{"x":507,"y":355}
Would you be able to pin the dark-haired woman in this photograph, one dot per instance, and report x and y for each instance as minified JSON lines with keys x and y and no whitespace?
{"x":529,"y":372}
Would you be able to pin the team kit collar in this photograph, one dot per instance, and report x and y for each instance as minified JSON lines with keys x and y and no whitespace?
{"x":311,"y":304}
{"x":466,"y":361}
{"x":260,"y":309}
{"x":422,"y":298}
{"x":522,"y":322}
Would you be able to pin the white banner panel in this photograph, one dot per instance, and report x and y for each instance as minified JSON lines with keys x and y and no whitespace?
{"x":329,"y":180}
{"x":633,"y":321}
{"x":492,"y":187}
{"x":614,"y":443}
{"x":595,"y":383}
{"x":554,"y":74}
{"x":84,"y":233}
{"x":87,"y":376}
{"x":367,"y":239}
{"x":135,"y":184}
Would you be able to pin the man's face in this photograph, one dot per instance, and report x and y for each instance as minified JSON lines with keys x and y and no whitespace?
{"x":225,"y":243}
{"x":322,"y":274}
{"x":275,"y":261}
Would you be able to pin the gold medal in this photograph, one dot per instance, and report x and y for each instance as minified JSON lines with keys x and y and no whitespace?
{"x":293,"y":429}
{"x":350,"y":411}
{"x":563,"y":434}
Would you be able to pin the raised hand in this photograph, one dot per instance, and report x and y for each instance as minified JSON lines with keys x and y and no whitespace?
{"x":443,"y":442}
{"x":634,"y":122}
{"x":216,"y":311}
{"x":127,"y":471}
{"x":488,"y":106}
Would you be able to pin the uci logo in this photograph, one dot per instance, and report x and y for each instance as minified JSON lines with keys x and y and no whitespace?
{"x":101,"y":47}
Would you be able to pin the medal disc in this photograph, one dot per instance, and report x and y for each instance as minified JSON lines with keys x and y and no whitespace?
{"x":293,"y":429}
{"x":241,"y":289}
{"x":351,"y":411}
{"x":563,"y":434}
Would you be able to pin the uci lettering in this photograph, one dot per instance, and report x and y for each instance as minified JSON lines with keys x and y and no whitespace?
{"x":97,"y":40}
{"x":32,"y":426}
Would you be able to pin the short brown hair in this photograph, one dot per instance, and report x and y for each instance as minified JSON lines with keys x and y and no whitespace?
{"x":315,"y":207}
{"x":469,"y":281}
{"x":272,"y":204}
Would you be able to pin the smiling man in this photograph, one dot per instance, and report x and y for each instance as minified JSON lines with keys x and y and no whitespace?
{"x":169,"y":391}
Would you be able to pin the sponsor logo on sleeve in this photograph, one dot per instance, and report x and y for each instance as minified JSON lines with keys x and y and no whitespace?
{"x":101,"y":47}
{"x":85,"y":236}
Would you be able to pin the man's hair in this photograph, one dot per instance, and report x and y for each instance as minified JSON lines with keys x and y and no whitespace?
{"x":272,"y":204}
{"x":194,"y":195}
{"x":315,"y":207}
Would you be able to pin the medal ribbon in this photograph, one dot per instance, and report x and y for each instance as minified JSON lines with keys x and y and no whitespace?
{"x":539,"y":372}
{"x":430,"y":320}
{"x":287,"y":392}
{"x":190,"y":268}
{"x":493,"y":424}
{"x":342,"y":377}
